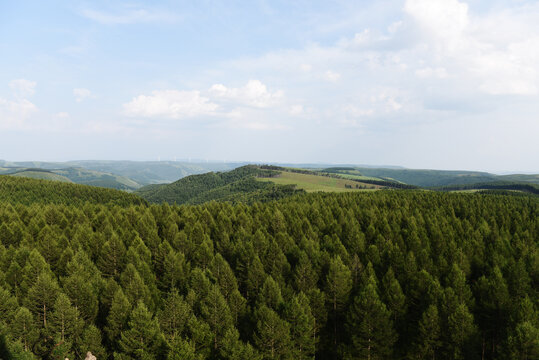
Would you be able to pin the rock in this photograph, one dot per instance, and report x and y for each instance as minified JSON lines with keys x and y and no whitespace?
{"x":89,"y":356}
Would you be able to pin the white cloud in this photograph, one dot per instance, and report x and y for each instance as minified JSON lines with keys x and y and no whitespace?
{"x":129,"y":16}
{"x":172,"y":104}
{"x":499,"y":49}
{"x":356,"y":112}
{"x":14,"y":114}
{"x":305,"y":68}
{"x":81,"y":94}
{"x":23,"y":87}
{"x":62,"y":115}
{"x":428,"y":72}
{"x":444,"y":19}
{"x":332,"y":76}
{"x":254,"y":94}
{"x":296,"y":110}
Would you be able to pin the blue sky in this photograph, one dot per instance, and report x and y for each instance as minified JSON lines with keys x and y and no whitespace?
{"x":443,"y":84}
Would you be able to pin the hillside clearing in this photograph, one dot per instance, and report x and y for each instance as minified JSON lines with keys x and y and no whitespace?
{"x":313,"y":183}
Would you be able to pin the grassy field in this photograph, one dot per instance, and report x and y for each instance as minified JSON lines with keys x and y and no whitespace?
{"x":312,"y":183}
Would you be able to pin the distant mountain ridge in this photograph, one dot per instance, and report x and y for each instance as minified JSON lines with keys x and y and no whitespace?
{"x":133,"y":175}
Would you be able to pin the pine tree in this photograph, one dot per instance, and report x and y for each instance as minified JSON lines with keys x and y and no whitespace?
{"x":142,"y":339}
{"x":270,"y":294}
{"x":523,"y":338}
{"x":65,"y":320}
{"x":134,"y":286}
{"x":23,"y":327}
{"x":428,"y":339}
{"x":8,"y":305}
{"x":83,"y":295}
{"x":461,"y":330}
{"x":305,"y":278}
{"x":91,"y":342}
{"x":272,"y":334}
{"x":370,"y":325}
{"x":234,"y":349}
{"x":301,"y":320}
{"x":175,"y":271}
{"x":42,"y":295}
{"x":393,"y":295}
{"x":201,"y":336}
{"x":175,"y":315}
{"x":118,"y":316}
{"x":524,"y":341}
{"x":338,"y":286}
{"x":181,"y":349}
{"x":111,"y":257}
{"x":215,"y":312}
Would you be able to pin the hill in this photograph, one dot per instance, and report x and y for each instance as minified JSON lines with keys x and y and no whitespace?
{"x":427,"y":178}
{"x":40,"y":174}
{"x":141,"y":172}
{"x":312,"y":182}
{"x":75,"y":175}
{"x":525,"y":187}
{"x":235,"y":185}
{"x":155,"y":172}
{"x":98,"y":178}
{"x":23,"y":190}
{"x":257,"y":183}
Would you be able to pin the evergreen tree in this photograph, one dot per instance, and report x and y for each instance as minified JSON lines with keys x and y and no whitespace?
{"x":111,"y":257}
{"x":215,"y":312}
{"x":42,"y":295}
{"x":272,"y":334}
{"x":370,"y":325}
{"x":91,"y":342}
{"x":338,"y":286}
{"x":461,"y":331}
{"x":65,"y":320}
{"x":23,"y":328}
{"x":142,"y":339}
{"x":234,"y":349}
{"x":175,"y":315}
{"x":181,"y":349}
{"x":270,"y":294}
{"x":301,"y":320}
{"x":118,"y":316}
{"x":428,"y":340}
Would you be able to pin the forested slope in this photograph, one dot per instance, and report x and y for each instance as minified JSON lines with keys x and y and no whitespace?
{"x":383,"y":275}
{"x":237,"y":185}
{"x":21,"y":190}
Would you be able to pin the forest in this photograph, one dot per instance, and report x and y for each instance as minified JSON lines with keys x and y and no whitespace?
{"x":391,"y":274}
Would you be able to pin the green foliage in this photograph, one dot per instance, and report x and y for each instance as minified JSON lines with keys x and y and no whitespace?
{"x":390,"y":274}
{"x":370,"y":325}
{"x":142,"y":339}
{"x":19,"y":190}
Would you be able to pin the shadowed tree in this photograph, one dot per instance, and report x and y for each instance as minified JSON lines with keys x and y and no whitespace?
{"x":370,"y":325}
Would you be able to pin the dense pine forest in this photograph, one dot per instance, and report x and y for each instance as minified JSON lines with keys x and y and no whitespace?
{"x":28,"y":191}
{"x":383,"y":275}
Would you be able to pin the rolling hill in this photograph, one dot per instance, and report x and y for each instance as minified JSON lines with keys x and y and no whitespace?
{"x":255,"y":183}
{"x":236,"y":185}
{"x":141,"y":172}
{"x":40,"y":174}
{"x":428,"y":178}
{"x":75,"y":175}
{"x":23,"y":190}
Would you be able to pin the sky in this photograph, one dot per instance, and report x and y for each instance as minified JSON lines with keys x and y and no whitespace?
{"x":441,"y":84}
